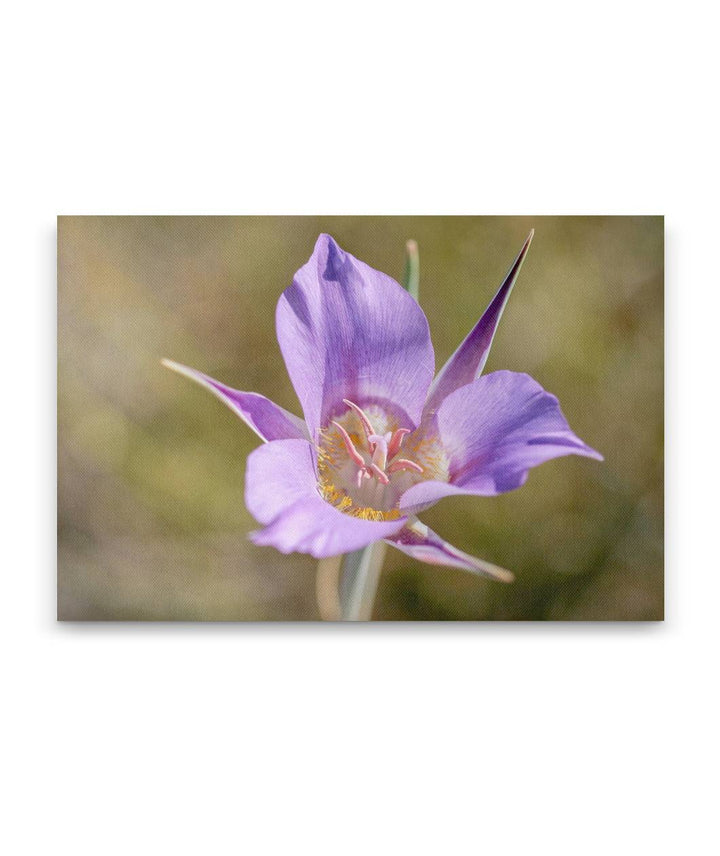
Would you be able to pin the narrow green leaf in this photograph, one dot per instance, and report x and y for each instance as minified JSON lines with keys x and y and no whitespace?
{"x":411,"y":277}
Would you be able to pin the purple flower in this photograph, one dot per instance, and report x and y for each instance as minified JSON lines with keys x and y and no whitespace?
{"x":382,"y":440}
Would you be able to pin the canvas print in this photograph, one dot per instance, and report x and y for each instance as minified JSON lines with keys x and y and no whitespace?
{"x":360,"y":418}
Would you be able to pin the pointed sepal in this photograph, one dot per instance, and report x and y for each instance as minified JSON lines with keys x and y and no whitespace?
{"x":469,"y":359}
{"x":267,"y":419}
{"x":419,"y":541}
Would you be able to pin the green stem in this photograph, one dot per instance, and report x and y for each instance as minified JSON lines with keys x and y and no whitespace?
{"x":359,"y":577}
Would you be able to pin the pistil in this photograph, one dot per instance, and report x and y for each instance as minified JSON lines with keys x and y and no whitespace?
{"x":381,"y":448}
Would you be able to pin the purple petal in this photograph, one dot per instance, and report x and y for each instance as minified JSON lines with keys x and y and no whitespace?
{"x":281,"y":492}
{"x":469,"y":359}
{"x":267,"y":419}
{"x":420,"y":542}
{"x":494,"y":431}
{"x":348,"y":331}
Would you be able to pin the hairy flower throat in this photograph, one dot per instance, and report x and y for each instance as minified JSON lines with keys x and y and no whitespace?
{"x":362,"y":467}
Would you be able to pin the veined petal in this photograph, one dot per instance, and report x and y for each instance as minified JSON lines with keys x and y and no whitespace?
{"x":420,"y":542}
{"x":281,"y":492}
{"x":347,"y":331}
{"x":493,"y":432}
{"x":469,"y":359}
{"x":267,"y":419}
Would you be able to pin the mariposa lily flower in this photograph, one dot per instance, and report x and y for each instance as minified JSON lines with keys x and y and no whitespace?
{"x":381,"y":439}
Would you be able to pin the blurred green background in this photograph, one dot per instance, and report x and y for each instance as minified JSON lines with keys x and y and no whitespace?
{"x":151,"y":519}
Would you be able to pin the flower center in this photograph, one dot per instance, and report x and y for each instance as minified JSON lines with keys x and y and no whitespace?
{"x":365,"y":463}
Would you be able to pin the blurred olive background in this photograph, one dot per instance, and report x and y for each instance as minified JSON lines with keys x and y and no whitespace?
{"x":152,"y":523}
